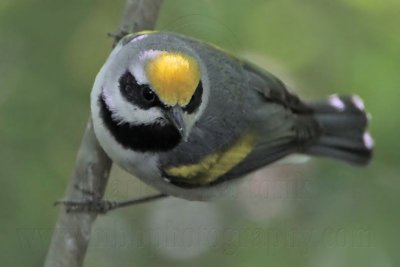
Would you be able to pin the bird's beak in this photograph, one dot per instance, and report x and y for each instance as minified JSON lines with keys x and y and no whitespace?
{"x":175,"y":116}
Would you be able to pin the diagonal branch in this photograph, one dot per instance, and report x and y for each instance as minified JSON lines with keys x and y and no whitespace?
{"x":72,"y":231}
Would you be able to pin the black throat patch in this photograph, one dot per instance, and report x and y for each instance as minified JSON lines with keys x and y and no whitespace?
{"x":144,"y":138}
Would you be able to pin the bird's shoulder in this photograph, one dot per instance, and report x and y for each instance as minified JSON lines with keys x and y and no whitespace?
{"x":272,"y":88}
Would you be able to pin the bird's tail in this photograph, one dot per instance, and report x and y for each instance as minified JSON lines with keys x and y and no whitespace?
{"x":344,"y":122}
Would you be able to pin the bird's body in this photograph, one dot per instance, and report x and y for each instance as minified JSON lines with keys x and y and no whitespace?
{"x":236,"y":117}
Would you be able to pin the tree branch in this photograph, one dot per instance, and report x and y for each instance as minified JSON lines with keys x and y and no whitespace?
{"x":72,"y":231}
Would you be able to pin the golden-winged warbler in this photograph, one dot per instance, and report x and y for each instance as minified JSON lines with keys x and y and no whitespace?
{"x":189,"y":119}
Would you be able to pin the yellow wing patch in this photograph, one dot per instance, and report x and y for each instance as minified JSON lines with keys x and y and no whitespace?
{"x":214,"y":166}
{"x":174,"y":77}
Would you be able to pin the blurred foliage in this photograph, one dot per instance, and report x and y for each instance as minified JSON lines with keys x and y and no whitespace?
{"x":324,"y":213}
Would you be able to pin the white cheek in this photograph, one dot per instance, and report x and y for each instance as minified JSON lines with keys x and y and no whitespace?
{"x":134,"y":115}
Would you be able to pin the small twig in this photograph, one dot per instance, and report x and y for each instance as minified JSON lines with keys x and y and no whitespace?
{"x":103,"y":206}
{"x":72,"y":231}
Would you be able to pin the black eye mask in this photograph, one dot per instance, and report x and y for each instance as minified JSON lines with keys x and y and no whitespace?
{"x":195,"y":102}
{"x":140,"y":95}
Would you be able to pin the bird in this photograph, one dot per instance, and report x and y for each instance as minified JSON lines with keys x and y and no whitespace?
{"x":190,"y":119}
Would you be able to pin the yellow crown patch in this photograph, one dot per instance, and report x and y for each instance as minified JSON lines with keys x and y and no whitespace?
{"x":174,"y":77}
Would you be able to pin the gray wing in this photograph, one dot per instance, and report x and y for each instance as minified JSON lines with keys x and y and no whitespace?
{"x":286,"y":125}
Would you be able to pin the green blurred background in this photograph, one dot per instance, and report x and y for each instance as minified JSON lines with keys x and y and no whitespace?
{"x":321,"y":214}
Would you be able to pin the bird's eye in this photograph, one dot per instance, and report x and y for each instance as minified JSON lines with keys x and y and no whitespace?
{"x":148,"y":95}
{"x":138,"y":94}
